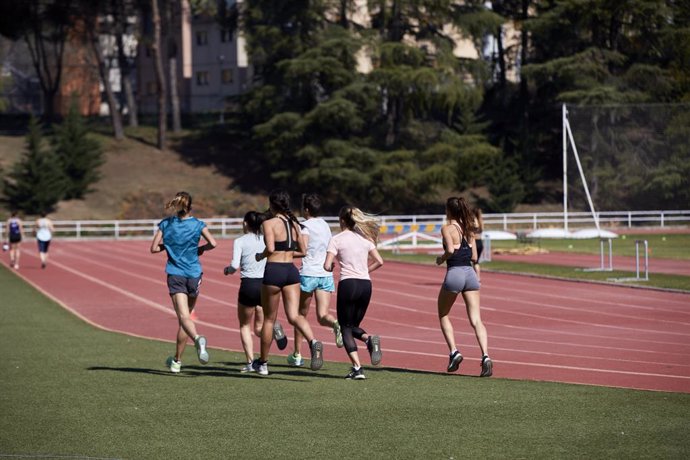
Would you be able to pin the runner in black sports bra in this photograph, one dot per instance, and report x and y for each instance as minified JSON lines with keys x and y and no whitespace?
{"x":289,"y":244}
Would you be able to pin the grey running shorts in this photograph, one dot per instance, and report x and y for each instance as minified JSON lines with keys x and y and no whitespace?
{"x":461,"y":279}
{"x":182,"y":285}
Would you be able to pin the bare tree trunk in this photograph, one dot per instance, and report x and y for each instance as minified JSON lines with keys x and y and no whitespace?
{"x":120,"y":16}
{"x":160,"y":74}
{"x":174,"y":96}
{"x":172,"y":10}
{"x":105,"y":79}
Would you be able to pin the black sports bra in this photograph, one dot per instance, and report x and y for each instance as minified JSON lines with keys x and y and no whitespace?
{"x":289,"y":244}
{"x":462,"y":256}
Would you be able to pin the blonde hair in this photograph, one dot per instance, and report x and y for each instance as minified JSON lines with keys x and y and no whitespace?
{"x":360,"y":222}
{"x":182,"y":203}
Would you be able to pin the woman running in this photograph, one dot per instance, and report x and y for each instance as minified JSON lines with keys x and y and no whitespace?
{"x":244,"y":253}
{"x":44,"y":233}
{"x":355,"y":249}
{"x":179,"y":236}
{"x":281,"y":279}
{"x":15,"y":235}
{"x":314,"y":280}
{"x":460,"y":254}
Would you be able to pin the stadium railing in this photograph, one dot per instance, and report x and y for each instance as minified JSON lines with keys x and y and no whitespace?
{"x":391,"y":226}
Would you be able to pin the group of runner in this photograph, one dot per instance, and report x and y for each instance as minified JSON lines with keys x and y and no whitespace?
{"x":264,"y":256}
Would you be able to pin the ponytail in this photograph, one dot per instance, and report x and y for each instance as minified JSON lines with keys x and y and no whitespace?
{"x":279,"y":200}
{"x":367,"y":225}
{"x":457,"y":210}
{"x":182,"y":204}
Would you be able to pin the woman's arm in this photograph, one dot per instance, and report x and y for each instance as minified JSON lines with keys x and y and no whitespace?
{"x":302,"y":243}
{"x":210,"y":241}
{"x":375,"y":260}
{"x":156,"y":245}
{"x":328,"y":263}
{"x":236,"y":259}
{"x":269,"y":240}
{"x":51,"y":226}
{"x":447,"y":244}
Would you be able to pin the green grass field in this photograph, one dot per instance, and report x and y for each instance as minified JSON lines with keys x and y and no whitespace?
{"x":665,"y":246}
{"x":69,"y":390}
{"x":671,"y":246}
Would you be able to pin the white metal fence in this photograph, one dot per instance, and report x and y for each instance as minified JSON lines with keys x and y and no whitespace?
{"x":515,"y":222}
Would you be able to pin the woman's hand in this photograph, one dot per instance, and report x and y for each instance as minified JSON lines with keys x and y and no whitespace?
{"x":439,"y":260}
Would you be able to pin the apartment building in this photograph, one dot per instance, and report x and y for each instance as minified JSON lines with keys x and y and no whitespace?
{"x":209,"y":63}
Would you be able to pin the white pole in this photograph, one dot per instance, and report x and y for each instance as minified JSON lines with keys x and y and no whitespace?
{"x":565,"y":169}
{"x":582,"y":174}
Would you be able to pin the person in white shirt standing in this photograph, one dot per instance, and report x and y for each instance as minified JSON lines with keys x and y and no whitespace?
{"x":244,"y":252}
{"x":314,"y":280}
{"x":355,"y":250}
{"x":44,"y":233}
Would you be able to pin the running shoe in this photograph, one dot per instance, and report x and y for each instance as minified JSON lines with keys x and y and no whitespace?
{"x":316,"y":355}
{"x":487,"y":367}
{"x":247,"y":368}
{"x":355,"y":374}
{"x":454,"y":361}
{"x":279,"y":336}
{"x":174,"y":366}
{"x":200,"y":345}
{"x":374,"y":347}
{"x":259,"y":367}
{"x":295,"y":359}
{"x":338,"y":335}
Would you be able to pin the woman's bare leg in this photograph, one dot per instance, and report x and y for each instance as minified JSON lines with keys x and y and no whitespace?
{"x":446,"y":299}
{"x":182,"y":335}
{"x":291,"y":301}
{"x":244,"y":315}
{"x":183,"y":307}
{"x":472,"y":303}
{"x":270,"y":298}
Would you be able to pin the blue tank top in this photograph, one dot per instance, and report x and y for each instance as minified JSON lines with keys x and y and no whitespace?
{"x":181,"y":241}
{"x":14,"y":227}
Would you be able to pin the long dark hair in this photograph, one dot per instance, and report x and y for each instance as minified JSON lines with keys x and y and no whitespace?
{"x":279,"y":199}
{"x":458,"y":210}
{"x":254,"y":219}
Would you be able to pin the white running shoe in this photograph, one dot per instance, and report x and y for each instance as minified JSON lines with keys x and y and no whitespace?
{"x":247,"y":368}
{"x":200,"y":345}
{"x":260,"y":368}
{"x":174,"y":366}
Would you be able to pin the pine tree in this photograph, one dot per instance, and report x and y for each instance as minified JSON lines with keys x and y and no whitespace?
{"x":36,"y":183}
{"x":78,"y":154}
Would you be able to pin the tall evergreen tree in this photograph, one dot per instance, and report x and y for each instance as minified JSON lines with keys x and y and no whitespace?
{"x":35,"y":183}
{"x":79,"y":155}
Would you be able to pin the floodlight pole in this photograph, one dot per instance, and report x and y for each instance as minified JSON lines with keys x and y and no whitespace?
{"x":565,"y":168}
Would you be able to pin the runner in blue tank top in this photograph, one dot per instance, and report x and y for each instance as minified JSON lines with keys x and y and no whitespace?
{"x":179,"y":236}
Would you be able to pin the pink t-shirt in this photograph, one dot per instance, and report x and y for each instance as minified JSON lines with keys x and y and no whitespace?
{"x":352,"y":251}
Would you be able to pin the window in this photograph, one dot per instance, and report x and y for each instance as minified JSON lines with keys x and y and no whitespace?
{"x":151,"y":88}
{"x":201,"y":38}
{"x":226,"y":76}
{"x":202,"y":78}
{"x":225,"y":36}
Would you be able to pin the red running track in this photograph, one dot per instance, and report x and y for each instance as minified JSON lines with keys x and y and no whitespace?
{"x":539,"y":329}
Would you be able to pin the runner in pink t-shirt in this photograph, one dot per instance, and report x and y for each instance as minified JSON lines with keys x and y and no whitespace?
{"x":355,"y":250}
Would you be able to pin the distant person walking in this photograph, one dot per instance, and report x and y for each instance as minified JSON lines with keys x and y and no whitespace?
{"x":315,"y":281}
{"x":460,"y":255}
{"x":15,"y":235}
{"x":44,"y":234}
{"x":244,"y":252}
{"x":281,"y":279}
{"x":179,"y":235}
{"x":355,"y":250}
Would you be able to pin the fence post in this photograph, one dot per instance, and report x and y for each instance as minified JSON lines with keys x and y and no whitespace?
{"x":534,"y":221}
{"x":629,"y":219}
{"x":662,"y":219}
{"x":505,"y":222}
{"x":78,"y":230}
